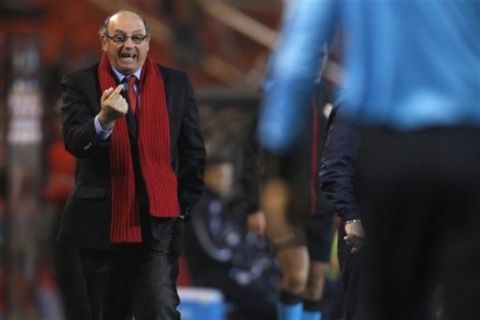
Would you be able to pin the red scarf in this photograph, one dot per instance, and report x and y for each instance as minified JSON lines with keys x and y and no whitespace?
{"x":154,"y":154}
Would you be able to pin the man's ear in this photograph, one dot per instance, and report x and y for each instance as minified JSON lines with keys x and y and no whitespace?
{"x":103,"y":41}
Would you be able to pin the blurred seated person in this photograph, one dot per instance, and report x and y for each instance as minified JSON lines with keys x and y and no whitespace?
{"x":221,"y":254}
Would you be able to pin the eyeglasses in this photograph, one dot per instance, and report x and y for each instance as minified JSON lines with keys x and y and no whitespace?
{"x":121,"y":38}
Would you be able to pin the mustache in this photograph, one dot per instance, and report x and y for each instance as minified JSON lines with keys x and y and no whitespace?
{"x":128,"y":52}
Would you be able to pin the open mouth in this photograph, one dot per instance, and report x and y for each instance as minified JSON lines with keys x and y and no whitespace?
{"x":128,"y":56}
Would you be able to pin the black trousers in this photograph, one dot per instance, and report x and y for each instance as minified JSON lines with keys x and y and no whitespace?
{"x":420,"y":200}
{"x":350,"y":275}
{"x":127,"y":280}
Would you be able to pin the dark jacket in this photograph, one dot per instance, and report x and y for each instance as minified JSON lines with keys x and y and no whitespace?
{"x":338,"y":165}
{"x":86,"y":218}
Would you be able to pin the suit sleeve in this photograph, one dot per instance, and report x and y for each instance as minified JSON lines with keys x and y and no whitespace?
{"x":78,"y":114}
{"x":338,"y":166}
{"x":192,"y":154}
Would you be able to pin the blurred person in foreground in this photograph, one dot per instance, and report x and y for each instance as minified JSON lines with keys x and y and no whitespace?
{"x":412,"y":80}
{"x":139,"y":172}
{"x":301,"y":231}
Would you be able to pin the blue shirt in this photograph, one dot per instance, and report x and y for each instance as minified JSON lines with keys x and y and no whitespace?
{"x":408,"y":64}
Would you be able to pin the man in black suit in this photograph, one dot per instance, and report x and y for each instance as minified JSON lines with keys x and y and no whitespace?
{"x":133,"y":127}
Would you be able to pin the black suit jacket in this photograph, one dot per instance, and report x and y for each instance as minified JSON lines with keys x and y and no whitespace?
{"x":86,"y":217}
{"x":339,"y":161}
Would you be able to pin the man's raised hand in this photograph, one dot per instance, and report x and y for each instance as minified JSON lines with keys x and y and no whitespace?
{"x":113,"y":106}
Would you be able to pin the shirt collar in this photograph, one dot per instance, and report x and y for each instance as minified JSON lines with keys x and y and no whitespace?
{"x":120,"y":76}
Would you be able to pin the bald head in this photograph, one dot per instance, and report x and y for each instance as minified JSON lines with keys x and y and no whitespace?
{"x":104,"y":27}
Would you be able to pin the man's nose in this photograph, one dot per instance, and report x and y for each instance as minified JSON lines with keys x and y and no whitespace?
{"x":129,"y":42}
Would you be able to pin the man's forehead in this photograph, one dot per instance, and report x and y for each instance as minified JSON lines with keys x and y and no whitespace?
{"x":126,"y":20}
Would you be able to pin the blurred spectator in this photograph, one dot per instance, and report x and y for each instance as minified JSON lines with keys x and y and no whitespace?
{"x":60,"y":169}
{"x":221,"y":254}
{"x":59,"y":183}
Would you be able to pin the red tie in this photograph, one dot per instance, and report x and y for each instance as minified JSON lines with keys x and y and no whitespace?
{"x":132,"y":95}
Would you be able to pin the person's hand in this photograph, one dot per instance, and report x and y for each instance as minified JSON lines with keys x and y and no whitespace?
{"x":113,"y":106}
{"x":256,"y":223}
{"x":354,"y":235}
